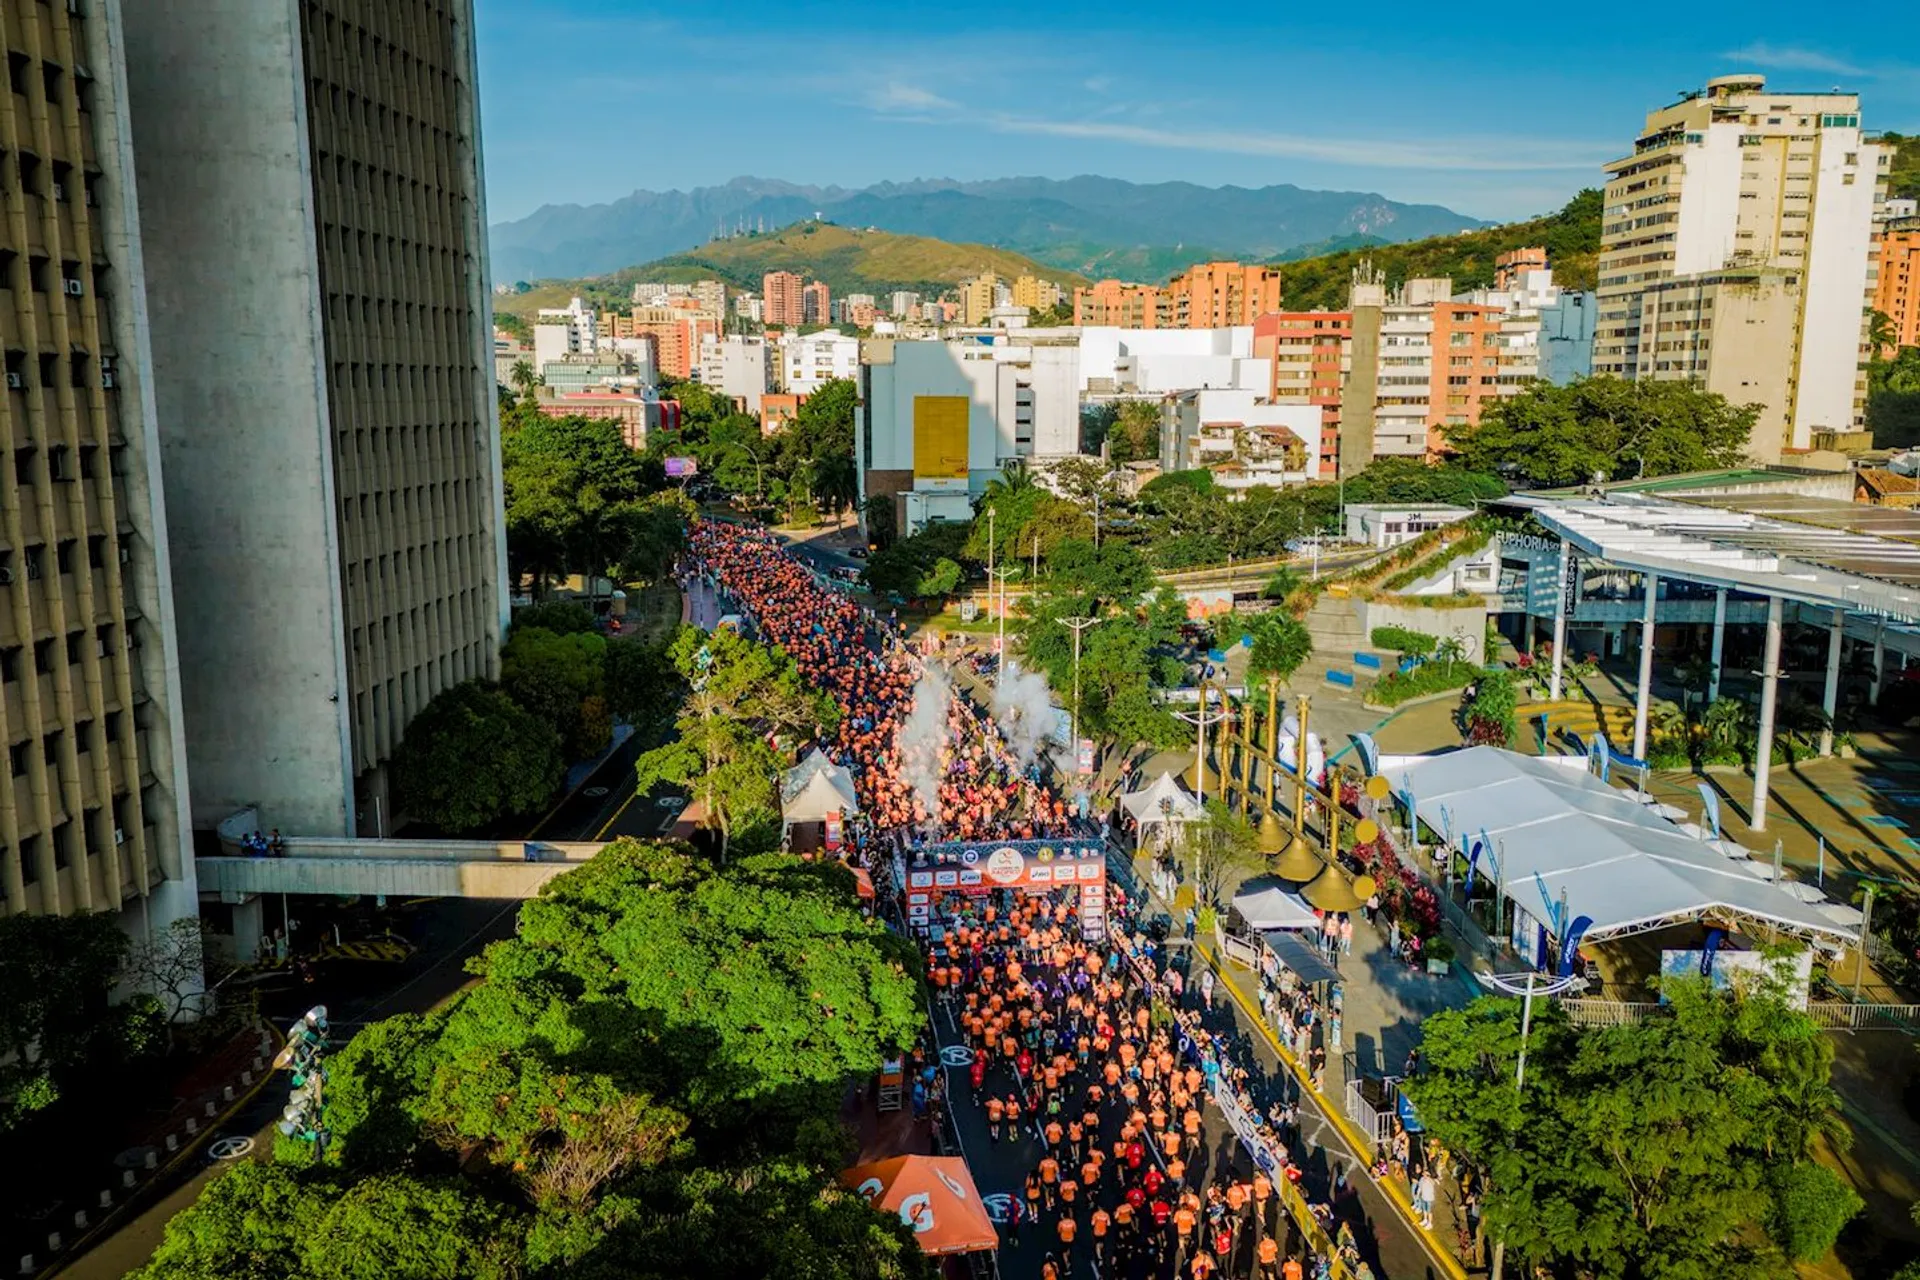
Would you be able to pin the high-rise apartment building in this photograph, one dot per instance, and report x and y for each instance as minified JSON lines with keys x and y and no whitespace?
{"x":311,"y":206}
{"x":1896,"y":289}
{"x":95,"y":816}
{"x":1759,"y":200}
{"x":1113,"y":303}
{"x":904,"y":303}
{"x":675,"y":334}
{"x":1311,"y":354}
{"x":978,"y":297}
{"x":781,"y":301}
{"x":816,"y":303}
{"x":1035,"y":293}
{"x":1220,"y":295}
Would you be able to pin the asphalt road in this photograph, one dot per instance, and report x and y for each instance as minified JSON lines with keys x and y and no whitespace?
{"x":447,"y":930}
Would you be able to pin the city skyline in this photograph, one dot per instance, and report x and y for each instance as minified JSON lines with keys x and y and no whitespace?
{"x":892,"y":95}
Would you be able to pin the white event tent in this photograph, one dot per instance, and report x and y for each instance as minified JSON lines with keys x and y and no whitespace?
{"x":1559,"y":833}
{"x":1275,"y":908}
{"x":815,"y":788}
{"x":1162,"y":800}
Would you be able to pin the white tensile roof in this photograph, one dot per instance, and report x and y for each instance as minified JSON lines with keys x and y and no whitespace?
{"x":1614,"y":860}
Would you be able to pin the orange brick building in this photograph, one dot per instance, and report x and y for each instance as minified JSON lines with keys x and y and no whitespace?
{"x":781,"y":299}
{"x":1310,"y":352}
{"x":1219,"y":295}
{"x":1122,"y":305}
{"x":676,"y":336}
{"x":1896,"y":293}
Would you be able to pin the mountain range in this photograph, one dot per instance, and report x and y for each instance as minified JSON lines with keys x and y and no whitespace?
{"x":1087,"y":225}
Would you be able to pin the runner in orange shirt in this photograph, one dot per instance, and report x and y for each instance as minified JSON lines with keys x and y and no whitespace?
{"x":1099,"y":1222}
{"x":995,"y":1110}
{"x":1054,"y":1133}
{"x":1267,"y":1256}
{"x":1049,"y":1179}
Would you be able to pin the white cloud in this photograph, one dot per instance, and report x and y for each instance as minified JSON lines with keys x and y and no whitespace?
{"x":1482,"y":155}
{"x":1788,"y":58}
{"x":903,"y":98}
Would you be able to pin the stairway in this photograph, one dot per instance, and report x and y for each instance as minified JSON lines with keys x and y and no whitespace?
{"x":1341,"y":649}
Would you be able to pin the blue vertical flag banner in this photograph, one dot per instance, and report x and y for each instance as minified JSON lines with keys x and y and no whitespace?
{"x":1597,"y":750}
{"x":1571,"y":944}
{"x":1474,"y":846}
{"x":1446,"y":825}
{"x":1369,"y":752}
{"x":1710,"y":809}
{"x":1711,"y":949}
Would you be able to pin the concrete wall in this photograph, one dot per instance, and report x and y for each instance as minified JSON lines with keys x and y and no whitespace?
{"x":227,"y":220}
{"x":398,"y":868}
{"x":1467,"y":625}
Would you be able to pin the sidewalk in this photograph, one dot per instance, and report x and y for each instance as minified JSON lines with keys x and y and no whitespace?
{"x":1404,"y":1248}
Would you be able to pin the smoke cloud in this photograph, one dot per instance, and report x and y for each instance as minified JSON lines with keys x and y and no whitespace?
{"x":1023,"y":706}
{"x":922,"y":733}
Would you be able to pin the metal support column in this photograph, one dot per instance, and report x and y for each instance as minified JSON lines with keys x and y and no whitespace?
{"x":1879,"y":659}
{"x":1643,"y":692}
{"x":1830,"y":696}
{"x":1769,"y":697}
{"x":1560,"y":622}
{"x":1719,"y":642}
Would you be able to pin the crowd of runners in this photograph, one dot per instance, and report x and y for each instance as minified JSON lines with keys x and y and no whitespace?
{"x":1090,"y":1074}
{"x":982,"y":793}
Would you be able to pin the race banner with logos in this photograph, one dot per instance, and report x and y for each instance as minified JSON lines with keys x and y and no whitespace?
{"x":1034,"y":866}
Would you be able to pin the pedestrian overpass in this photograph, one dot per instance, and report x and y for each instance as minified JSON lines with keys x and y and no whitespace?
{"x":395,"y":868}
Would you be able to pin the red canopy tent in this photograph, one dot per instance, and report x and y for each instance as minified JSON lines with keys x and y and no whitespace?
{"x":862,"y":882}
{"x":934,"y":1195}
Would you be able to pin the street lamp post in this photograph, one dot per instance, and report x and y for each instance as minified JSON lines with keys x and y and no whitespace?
{"x":1003,"y":573}
{"x":1199,"y":720}
{"x":1507,"y":982}
{"x":1077,"y":625}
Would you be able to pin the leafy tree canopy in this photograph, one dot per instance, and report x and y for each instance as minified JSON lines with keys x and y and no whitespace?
{"x":1553,"y":436}
{"x":640,"y":1085}
{"x":1651,"y":1150}
{"x":472,"y":756}
{"x":562,"y":681}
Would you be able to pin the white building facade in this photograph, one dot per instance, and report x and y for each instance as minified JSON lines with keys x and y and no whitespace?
{"x":810,"y":361}
{"x":938,"y":420}
{"x":1741,"y":178}
{"x":737,"y":366}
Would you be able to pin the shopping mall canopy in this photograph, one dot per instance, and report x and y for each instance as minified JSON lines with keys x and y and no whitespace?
{"x":1275,"y":908}
{"x":814,"y":788}
{"x":1162,"y":800}
{"x":934,"y":1195}
{"x":1864,"y":560}
{"x":1559,"y":832}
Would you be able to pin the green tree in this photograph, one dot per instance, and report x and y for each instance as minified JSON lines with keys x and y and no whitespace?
{"x":571,"y":485}
{"x":562,"y":681}
{"x":1648,"y":1150}
{"x":643,"y":686}
{"x":1618,"y":430}
{"x":473,"y":756}
{"x":905,"y":565}
{"x":1134,"y":433}
{"x":562,"y":617}
{"x":58,"y":972}
{"x":1281,"y":645}
{"x":741,"y":697}
{"x":1224,"y":851}
{"x":524,"y":378}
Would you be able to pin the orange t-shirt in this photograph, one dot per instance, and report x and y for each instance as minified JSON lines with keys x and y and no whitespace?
{"x":1236,"y":1197}
{"x":995,"y":1109}
{"x":1183,"y":1221}
{"x":1292,"y":1269}
{"x":1269,"y":1250}
{"x":1067,"y":1228}
{"x":1053,"y":1133}
{"x":1262,"y":1187}
{"x":1049,"y":1169}
{"x":1100,"y":1221}
{"x":1170,"y":1144}
{"x":1069,"y":1189}
{"x":1112,"y":1073}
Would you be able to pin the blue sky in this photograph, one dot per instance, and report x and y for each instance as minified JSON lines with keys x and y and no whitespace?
{"x":1499,"y":116}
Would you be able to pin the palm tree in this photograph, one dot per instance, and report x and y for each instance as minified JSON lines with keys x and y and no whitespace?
{"x":1013,"y":481}
{"x":524,"y":378}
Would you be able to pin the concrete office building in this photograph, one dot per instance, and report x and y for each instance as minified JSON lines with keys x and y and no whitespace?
{"x":938,"y":420}
{"x":1129,"y":363}
{"x":1740,"y":178}
{"x":332,"y":463}
{"x":95,"y":815}
{"x":738,"y":367}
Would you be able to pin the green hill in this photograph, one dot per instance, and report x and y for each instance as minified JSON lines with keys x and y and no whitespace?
{"x":848,"y":259}
{"x":1571,"y":237}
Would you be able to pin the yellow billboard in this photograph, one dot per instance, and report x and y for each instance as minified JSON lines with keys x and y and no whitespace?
{"x":940,"y":437}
